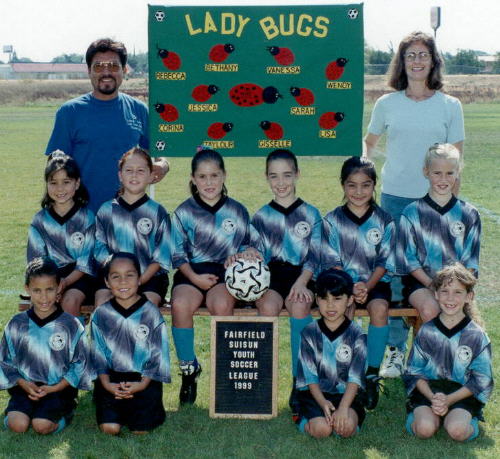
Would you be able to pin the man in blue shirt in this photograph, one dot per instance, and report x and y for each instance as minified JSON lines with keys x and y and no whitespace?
{"x":98,"y":127}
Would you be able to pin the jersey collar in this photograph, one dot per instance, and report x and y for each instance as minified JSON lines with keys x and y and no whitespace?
{"x":212,"y":209}
{"x":333,"y":335}
{"x":449,"y":332}
{"x":441,"y":210}
{"x":286,"y":210}
{"x":135,"y":205}
{"x":63,"y":219}
{"x":127,"y":312}
{"x":354,"y":218}
{"x":41,"y":322}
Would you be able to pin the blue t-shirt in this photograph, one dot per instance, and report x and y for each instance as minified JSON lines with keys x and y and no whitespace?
{"x":96,"y":133}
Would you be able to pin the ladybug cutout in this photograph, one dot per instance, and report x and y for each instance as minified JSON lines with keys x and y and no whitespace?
{"x":303,"y":96}
{"x":170,"y":59}
{"x":250,"y":94}
{"x":167,"y":112}
{"x":272,"y":130}
{"x":219,"y":130}
{"x":219,"y":53}
{"x":335,"y":69}
{"x":329,"y":120}
{"x":283,"y":56}
{"x":204,"y":92}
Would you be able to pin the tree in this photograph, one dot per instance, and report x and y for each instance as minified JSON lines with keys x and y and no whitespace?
{"x":376,"y":61}
{"x":72,"y":58}
{"x":16,"y":59}
{"x":139,"y":63}
{"x":464,"y":62}
{"x":496,"y":63}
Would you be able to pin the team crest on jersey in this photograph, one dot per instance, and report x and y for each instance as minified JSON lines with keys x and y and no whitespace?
{"x":457,"y":228}
{"x":77,"y":239}
{"x":57,"y":341}
{"x":302,"y":229}
{"x":343,"y":353}
{"x":374,"y":236}
{"x":141,"y":332}
{"x":464,"y":354}
{"x":144,"y":225}
{"x":229,"y":225}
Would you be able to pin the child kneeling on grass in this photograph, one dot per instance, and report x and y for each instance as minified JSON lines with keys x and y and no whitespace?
{"x":43,"y":357}
{"x":130,"y":353}
{"x":332,"y":363}
{"x":448,"y":377}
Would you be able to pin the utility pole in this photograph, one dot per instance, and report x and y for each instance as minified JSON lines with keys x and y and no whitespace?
{"x":435,"y":18}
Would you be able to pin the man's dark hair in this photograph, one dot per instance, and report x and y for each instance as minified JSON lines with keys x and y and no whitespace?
{"x":103,"y":45}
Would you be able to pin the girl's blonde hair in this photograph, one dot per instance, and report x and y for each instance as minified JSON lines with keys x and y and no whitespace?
{"x":443,"y":151}
{"x":458,"y":272}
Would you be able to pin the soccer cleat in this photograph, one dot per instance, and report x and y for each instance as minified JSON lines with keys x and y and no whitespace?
{"x":372,"y":391}
{"x":393,"y":364}
{"x":190,"y":374}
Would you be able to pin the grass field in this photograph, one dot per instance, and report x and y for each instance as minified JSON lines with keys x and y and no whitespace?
{"x":191,"y":433}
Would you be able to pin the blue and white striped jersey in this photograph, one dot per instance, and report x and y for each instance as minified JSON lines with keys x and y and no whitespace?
{"x":332,"y":359}
{"x":66,"y":240}
{"x":461,"y":354}
{"x":207,"y":233}
{"x":143,"y":228}
{"x":291,"y":234}
{"x":130,"y":340}
{"x":45,"y":350}
{"x":432,"y":237}
{"x":358,"y":245}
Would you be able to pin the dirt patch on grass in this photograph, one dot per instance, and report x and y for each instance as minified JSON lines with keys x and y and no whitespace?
{"x":468,"y":88}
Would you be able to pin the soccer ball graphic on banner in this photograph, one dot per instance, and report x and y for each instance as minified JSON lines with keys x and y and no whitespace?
{"x":247,"y":280}
{"x":352,"y":13}
{"x":160,"y":15}
{"x":160,"y":145}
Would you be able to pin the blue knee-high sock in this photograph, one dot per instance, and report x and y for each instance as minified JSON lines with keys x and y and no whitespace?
{"x":377,"y":339}
{"x":60,"y":425}
{"x":296,"y":327}
{"x":184,"y":343}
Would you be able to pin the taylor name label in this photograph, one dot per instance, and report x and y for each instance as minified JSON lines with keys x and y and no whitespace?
{"x":244,"y":354}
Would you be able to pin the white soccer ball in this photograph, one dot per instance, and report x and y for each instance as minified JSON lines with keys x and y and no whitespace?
{"x":352,"y":13}
{"x":160,"y":16}
{"x":160,"y":145}
{"x":247,"y":280}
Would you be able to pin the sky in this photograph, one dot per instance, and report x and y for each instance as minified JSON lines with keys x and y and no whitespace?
{"x":43,"y":29}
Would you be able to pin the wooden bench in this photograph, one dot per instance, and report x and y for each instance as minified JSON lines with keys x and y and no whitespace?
{"x":409,"y":314}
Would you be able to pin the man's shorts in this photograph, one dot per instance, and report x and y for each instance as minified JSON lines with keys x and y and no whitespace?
{"x":141,"y":413}
{"x":53,"y":406}
{"x":309,"y":408}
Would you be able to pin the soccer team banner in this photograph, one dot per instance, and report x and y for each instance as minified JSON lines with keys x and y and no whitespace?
{"x":247,"y":80}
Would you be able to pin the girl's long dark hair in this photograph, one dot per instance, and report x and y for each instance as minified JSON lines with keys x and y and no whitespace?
{"x":57,"y":161}
{"x":200,"y":157}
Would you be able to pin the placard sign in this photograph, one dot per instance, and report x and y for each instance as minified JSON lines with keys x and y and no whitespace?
{"x":244,"y":354}
{"x":245,"y":80}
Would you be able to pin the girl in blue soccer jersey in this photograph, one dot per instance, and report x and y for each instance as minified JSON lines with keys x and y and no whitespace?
{"x":210,"y":229}
{"x":448,"y":376}
{"x":332,"y":363}
{"x":436,"y":231}
{"x":290,"y":237}
{"x":44,"y":357}
{"x":64,"y":231}
{"x":134,"y":223}
{"x":130,"y":352}
{"x":359,"y":238}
